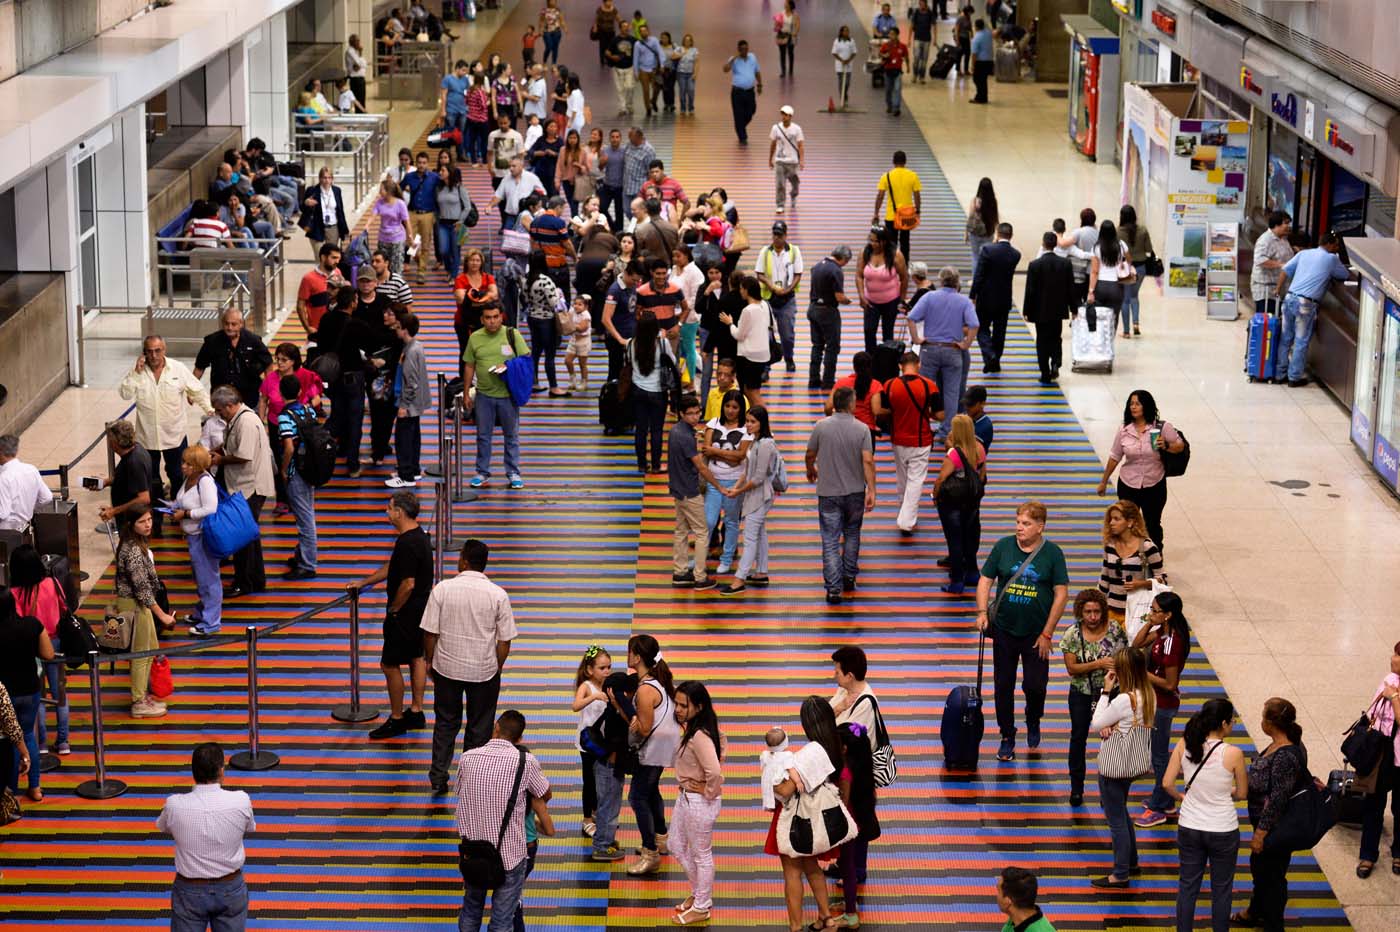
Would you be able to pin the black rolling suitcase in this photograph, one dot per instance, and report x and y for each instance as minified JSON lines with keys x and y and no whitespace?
{"x":944,"y":62}
{"x":964,"y":722}
{"x":1351,"y":800}
{"x":614,"y":411}
{"x":887,"y":360}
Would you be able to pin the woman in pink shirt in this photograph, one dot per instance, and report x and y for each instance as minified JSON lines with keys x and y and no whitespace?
{"x":881,"y":280}
{"x":1138,"y":447}
{"x":286,"y":360}
{"x":698,"y":800}
{"x":38,"y":595}
{"x":1385,"y":712}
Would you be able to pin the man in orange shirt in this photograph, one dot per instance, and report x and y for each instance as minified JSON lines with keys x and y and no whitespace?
{"x":318,"y":288}
{"x":910,"y":400}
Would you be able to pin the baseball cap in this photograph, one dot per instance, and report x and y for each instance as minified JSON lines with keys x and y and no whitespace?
{"x":779,"y":228}
{"x":366,"y":273}
{"x":786,"y":109}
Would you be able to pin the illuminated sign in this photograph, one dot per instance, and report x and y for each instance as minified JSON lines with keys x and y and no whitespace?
{"x":1332,"y":132}
{"x":1127,"y":7}
{"x":1165,"y":22}
{"x":1248,"y":83}
{"x":1285,"y":107}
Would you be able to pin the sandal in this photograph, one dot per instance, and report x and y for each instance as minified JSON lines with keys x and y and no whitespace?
{"x":822,"y":924}
{"x":1364,"y":868}
{"x":1243,"y":918}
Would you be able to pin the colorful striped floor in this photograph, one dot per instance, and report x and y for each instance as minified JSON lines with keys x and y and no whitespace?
{"x":349,"y":837}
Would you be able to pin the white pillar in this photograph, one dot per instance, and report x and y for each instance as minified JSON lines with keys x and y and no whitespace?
{"x":359,"y":20}
{"x":123,"y":239}
{"x":269,"y":117}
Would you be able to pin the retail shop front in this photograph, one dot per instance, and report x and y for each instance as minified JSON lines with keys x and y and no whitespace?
{"x":1375,"y":399}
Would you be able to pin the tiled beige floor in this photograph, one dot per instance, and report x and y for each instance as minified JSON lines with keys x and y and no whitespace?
{"x":1290,"y":591}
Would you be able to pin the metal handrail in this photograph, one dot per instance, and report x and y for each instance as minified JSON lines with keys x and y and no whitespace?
{"x":359,"y":140}
{"x":64,"y":470}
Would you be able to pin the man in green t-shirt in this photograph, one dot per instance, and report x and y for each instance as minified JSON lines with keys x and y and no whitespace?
{"x":1023,"y":620}
{"x":485,"y":359}
{"x":1016,"y":890}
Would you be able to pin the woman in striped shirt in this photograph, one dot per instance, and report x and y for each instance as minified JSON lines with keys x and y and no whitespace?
{"x":1130,"y":559}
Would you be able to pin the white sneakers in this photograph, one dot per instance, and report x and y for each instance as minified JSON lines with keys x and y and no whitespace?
{"x":394,"y":482}
{"x":147,"y":707}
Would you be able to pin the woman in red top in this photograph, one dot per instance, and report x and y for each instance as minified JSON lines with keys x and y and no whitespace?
{"x":478,"y":116}
{"x":1167,"y":639}
{"x":866,"y":387}
{"x":474,"y":288}
{"x":286,"y":360}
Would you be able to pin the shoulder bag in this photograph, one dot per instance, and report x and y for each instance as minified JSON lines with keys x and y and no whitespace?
{"x":906,"y":217}
{"x":1174,"y":464}
{"x":815,"y":822}
{"x":480,"y":861}
{"x":1126,"y":755}
{"x":1365,"y":744}
{"x":1309,"y":814}
{"x":963,"y":487}
{"x":230,"y":528}
{"x":886,"y":769}
{"x":1020,"y":571}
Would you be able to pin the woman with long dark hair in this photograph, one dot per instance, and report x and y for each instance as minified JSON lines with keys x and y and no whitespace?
{"x":751,"y":332}
{"x":1385,"y":712}
{"x":38,"y":595}
{"x":699,"y":780}
{"x":543,"y":301}
{"x":862,"y":380}
{"x":649,"y":354}
{"x":1167,"y":639}
{"x":1110,"y":271}
{"x":1208,"y":829}
{"x":453,"y":205}
{"x":474,"y":288}
{"x":1138,"y":446}
{"x":1139,"y":245}
{"x":725,"y":448}
{"x":820,"y":761}
{"x":571,"y":161}
{"x":756,"y":492}
{"x":659,"y":736}
{"x":882,"y":278}
{"x":858,"y":793}
{"x":1126,"y":703}
{"x":1274,"y":777}
{"x":23,"y":644}
{"x":1089,"y":646}
{"x":139,"y":590}
{"x":982,"y":220}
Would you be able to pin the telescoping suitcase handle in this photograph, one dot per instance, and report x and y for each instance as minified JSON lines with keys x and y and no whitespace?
{"x":981,"y":653}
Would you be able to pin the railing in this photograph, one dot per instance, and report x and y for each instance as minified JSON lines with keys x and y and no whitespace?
{"x":411,"y":70}
{"x":196,"y":284}
{"x":64,"y":471}
{"x":354,"y":146}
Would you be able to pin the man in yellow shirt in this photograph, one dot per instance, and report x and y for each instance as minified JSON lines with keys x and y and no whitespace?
{"x":724,"y":381}
{"x":902,"y":187}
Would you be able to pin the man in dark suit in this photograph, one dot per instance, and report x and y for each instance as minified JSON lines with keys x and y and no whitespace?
{"x":1050,"y":299}
{"x":991,"y":289}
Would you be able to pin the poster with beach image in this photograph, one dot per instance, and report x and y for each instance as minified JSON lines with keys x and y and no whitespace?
{"x":1233,"y":158}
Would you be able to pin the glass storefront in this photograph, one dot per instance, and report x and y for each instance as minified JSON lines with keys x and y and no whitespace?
{"x":1386,"y":457}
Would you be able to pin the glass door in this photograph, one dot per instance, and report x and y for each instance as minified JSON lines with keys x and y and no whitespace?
{"x":88,"y":265}
{"x":1368,"y":350}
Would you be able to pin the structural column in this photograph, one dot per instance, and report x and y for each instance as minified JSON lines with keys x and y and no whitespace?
{"x":269,"y":118}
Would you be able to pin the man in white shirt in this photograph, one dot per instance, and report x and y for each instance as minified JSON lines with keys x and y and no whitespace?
{"x":162,"y":388}
{"x":503,"y":144}
{"x":467,"y":629}
{"x":786,"y":155}
{"x":208,"y":825}
{"x":514,"y":187}
{"x":536,"y":95}
{"x":22,"y":489}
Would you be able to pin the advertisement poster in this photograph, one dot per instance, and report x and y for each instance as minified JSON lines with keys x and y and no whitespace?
{"x":1205,"y":188}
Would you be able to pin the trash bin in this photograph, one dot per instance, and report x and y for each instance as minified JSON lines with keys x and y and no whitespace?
{"x":55,"y":527}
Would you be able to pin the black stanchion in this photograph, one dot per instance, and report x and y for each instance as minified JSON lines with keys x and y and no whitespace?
{"x":100,"y":787}
{"x":354,"y":712}
{"x":253,"y":758}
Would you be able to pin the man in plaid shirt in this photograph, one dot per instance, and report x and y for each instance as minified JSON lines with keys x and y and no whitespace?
{"x":484,"y":779}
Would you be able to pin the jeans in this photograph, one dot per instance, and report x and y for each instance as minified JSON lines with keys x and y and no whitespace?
{"x":544,"y":342}
{"x":504,"y":901}
{"x":880,"y":317}
{"x":1196,"y":848}
{"x":981,"y":70}
{"x":445,"y":244}
{"x":221,"y":907}
{"x":894,"y":86}
{"x":649,"y":412}
{"x":910,"y":469}
{"x":944,"y":365}
{"x":1081,"y":713}
{"x":1373,"y":817}
{"x":826,"y":344}
{"x":449,"y":696}
{"x":208,"y":614}
{"x":552,"y":38}
{"x":476,"y":141}
{"x":491,"y":411}
{"x":785,"y":316}
{"x":1151,"y":499}
{"x":609,"y":787}
{"x":457,"y":121}
{"x":647,"y":804}
{"x":691,"y":841}
{"x":408,"y":443}
{"x":611,"y":203}
{"x":841,"y":517}
{"x":756,"y":545}
{"x":668,"y":88}
{"x":171,"y":458}
{"x":785,"y":179}
{"x":1113,"y":799}
{"x":920,"y":58}
{"x":301,"y":499}
{"x":744,"y":103}
{"x":27,"y":710}
{"x":786,"y":56}
{"x":532,"y":850}
{"x":1161,"y":753}
{"x":589,"y":795}
{"x":54,"y":674}
{"x":1299,"y":318}
{"x":1131,"y":304}
{"x":717,"y":503}
{"x":685,"y":83}
{"x":962,"y":527}
{"x":1269,"y":868}
{"x":899,"y":236}
{"x":347,"y":420}
{"x":1007,"y":650}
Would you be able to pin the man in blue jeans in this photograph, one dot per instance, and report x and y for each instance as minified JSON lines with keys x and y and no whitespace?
{"x":841,"y":463}
{"x":485,"y":360}
{"x":452,"y":104}
{"x":610,"y":192}
{"x":1308,"y":275}
{"x":949,"y":328}
{"x":301,"y":495}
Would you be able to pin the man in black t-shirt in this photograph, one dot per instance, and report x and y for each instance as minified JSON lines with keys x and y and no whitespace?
{"x":827,"y":286}
{"x":923,"y":27}
{"x":135,"y":480}
{"x":408,"y":575}
{"x":620,"y":58}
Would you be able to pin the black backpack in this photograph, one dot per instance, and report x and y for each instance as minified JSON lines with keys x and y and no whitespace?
{"x":316,"y":449}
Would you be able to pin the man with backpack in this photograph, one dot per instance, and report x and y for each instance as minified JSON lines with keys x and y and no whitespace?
{"x":485,"y":359}
{"x":303,"y":461}
{"x":910,"y":401}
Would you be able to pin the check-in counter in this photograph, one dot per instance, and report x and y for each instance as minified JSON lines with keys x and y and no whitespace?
{"x":33,"y":345}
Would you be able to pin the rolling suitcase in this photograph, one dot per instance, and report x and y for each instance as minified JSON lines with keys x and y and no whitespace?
{"x":887,"y":360}
{"x":1351,"y":799}
{"x":1008,"y":64}
{"x":1261,"y":347}
{"x":944,"y":62}
{"x":963,"y":721}
{"x":1091,"y":339}
{"x":614,"y":412}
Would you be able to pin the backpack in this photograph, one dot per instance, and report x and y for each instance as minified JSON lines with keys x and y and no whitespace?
{"x":316,"y":449}
{"x":778,"y":477}
{"x":962,"y":488}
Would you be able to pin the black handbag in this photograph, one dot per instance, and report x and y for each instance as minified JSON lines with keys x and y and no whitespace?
{"x":1174,"y":464}
{"x":480,"y":861}
{"x":1364,"y":743}
{"x":1152,"y":267}
{"x":1309,"y":814}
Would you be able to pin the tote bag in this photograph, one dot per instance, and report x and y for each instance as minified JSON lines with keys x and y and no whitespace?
{"x":815,"y":822}
{"x":230,"y":528}
{"x":1126,"y":755}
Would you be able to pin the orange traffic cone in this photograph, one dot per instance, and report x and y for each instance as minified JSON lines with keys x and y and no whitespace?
{"x":831,"y":105}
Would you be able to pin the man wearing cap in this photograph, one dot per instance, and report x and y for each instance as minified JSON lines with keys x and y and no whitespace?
{"x":786,"y":155}
{"x":824,"y":314}
{"x":779,"y":271}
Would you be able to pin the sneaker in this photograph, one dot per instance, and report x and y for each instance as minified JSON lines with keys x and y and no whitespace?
{"x":610,"y":853}
{"x":516,"y":482}
{"x":1007,"y":751}
{"x":707,"y":583}
{"x":682,"y":580}
{"x":62,"y":749}
{"x":648,"y":863}
{"x":1076,"y":799}
{"x":394,"y":482}
{"x":478,"y":481}
{"x":833,"y":597}
{"x":954,"y":588}
{"x":355,"y":473}
{"x":723,"y":569}
{"x":780,"y":210}
{"x":415,"y":719}
{"x":391,"y":728}
{"x":1032,"y":735}
{"x":147,"y":708}
{"x":1149,"y":818}
{"x":848,"y":584}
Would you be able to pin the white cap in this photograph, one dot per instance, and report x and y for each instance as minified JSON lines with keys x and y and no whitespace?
{"x":786,"y":109}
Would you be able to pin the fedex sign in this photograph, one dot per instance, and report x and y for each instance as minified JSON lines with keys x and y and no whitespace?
{"x":1285,"y":107}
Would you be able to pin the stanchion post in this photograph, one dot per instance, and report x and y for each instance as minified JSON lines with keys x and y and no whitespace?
{"x":442,"y":528}
{"x":254,"y":758}
{"x":63,"y":489}
{"x":99,"y":787}
{"x":441,"y":469}
{"x":353,"y":712}
{"x":459,"y":494}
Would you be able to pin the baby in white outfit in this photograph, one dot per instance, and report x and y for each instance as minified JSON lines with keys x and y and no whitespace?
{"x":776,"y":761}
